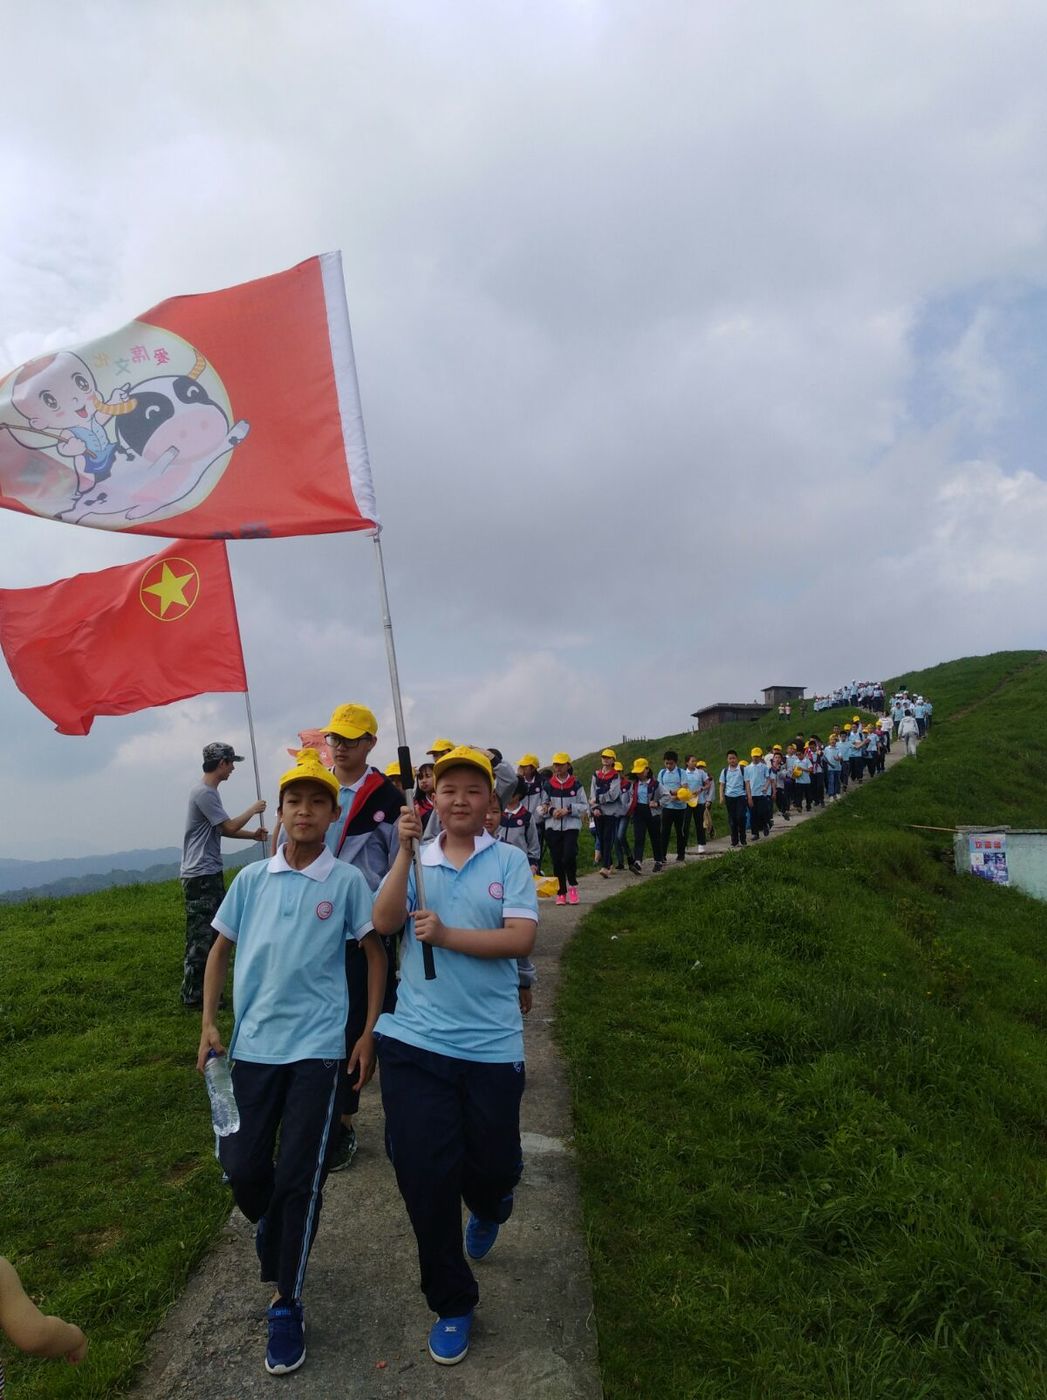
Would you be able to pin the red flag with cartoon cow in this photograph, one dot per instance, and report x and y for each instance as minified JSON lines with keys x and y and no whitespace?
{"x":231,"y":414}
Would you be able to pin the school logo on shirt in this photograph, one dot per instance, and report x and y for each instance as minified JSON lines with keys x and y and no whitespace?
{"x":324,"y":909}
{"x":496,"y":891}
{"x":379,"y":816}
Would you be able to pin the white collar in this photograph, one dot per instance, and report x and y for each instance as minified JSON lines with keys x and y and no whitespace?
{"x":433,"y":851}
{"x":318,"y":870}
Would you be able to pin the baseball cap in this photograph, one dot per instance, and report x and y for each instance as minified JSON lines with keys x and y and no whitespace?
{"x":221,"y":753}
{"x":608,"y":753}
{"x":640,"y":765}
{"x":700,"y":763}
{"x":529,"y":760}
{"x":756,"y":753}
{"x":440,"y":746}
{"x":308,"y":767}
{"x":561,"y":758}
{"x":392,"y":770}
{"x":463,"y":755}
{"x":618,"y":767}
{"x":352,"y":722}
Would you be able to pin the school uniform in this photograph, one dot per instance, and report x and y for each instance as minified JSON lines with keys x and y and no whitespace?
{"x":646,"y":818}
{"x":674,"y":812}
{"x":857,"y":759}
{"x":288,"y":1050}
{"x":872,"y":750}
{"x":533,"y":801}
{"x":781,"y":790}
{"x":561,"y":833}
{"x":365,"y":837}
{"x":760,"y":781}
{"x":801,"y":781}
{"x":605,"y":793}
{"x":452,"y":1066}
{"x":733,"y":782}
{"x":517,"y":828}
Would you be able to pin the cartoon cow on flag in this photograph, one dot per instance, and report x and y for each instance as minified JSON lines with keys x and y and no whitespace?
{"x":170,"y":433}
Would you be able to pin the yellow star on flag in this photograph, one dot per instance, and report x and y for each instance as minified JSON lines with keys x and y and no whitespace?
{"x":170,"y":588}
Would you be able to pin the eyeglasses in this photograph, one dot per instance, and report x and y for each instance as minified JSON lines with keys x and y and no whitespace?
{"x":339,"y":741}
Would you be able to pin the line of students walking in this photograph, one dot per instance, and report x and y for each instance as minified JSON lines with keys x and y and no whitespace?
{"x":673,"y":808}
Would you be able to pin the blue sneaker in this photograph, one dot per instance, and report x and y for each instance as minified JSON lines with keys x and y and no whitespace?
{"x":449,"y":1339}
{"x":480,"y":1236}
{"x":286,"y":1349}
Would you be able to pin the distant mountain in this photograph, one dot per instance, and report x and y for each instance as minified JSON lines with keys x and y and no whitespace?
{"x":26,"y":879}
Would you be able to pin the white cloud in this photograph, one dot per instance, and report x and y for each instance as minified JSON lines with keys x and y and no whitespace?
{"x":635,"y":296}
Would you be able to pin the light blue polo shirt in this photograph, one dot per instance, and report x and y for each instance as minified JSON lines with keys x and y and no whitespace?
{"x":290,"y":928}
{"x":670,"y":781}
{"x":832,"y":757}
{"x":758,"y":776}
{"x":733,"y":780}
{"x":471,"y":1009}
{"x":804,"y":763}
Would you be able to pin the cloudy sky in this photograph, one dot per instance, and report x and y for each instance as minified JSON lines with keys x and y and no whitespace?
{"x":701,"y":347}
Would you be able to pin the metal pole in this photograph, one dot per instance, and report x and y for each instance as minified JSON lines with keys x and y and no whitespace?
{"x":254,"y":760}
{"x":403,"y":752}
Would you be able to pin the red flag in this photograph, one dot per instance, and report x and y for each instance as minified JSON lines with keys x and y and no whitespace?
{"x":232,"y":414}
{"x":118,"y":641}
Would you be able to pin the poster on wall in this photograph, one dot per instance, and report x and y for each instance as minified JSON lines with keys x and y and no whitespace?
{"x":988,"y":857}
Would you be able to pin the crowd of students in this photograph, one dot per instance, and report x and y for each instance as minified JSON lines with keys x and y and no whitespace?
{"x":342,"y":962}
{"x":543,"y":810}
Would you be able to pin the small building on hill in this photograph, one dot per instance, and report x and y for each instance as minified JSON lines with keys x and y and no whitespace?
{"x":778,"y":694}
{"x":711,"y":715}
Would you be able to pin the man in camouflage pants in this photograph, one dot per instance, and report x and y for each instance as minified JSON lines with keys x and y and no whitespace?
{"x":203,"y":883}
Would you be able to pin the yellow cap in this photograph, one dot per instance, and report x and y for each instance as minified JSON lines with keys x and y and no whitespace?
{"x":617,"y":767}
{"x":756,"y":753}
{"x":743,"y":763}
{"x":640,"y":766}
{"x":529,"y":760}
{"x":473,"y":758}
{"x":847,"y":729}
{"x":776,"y":748}
{"x":701,"y":763}
{"x":352,"y":721}
{"x":439,"y":746}
{"x":684,"y":794}
{"x":608,"y":753}
{"x":561,"y":758}
{"x":308,"y":768}
{"x":393,"y":770}
{"x":856,"y":719}
{"x":797,"y":772}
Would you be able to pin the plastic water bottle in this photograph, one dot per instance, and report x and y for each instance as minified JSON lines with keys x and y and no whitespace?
{"x":225,"y":1116}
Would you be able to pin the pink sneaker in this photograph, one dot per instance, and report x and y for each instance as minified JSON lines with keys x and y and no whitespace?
{"x":572,"y":895}
{"x":561,"y":899}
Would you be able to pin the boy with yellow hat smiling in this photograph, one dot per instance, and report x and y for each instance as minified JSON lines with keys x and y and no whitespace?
{"x":289,"y":919}
{"x":452,"y":1052}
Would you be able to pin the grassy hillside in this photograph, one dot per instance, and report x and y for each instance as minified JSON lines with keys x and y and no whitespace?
{"x":810,"y":1085}
{"x":109,"y":1192}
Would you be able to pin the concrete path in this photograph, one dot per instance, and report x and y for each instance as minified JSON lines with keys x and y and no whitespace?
{"x":366,"y":1320}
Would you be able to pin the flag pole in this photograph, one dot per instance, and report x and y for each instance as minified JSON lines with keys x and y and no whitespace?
{"x":254,"y":760}
{"x":407,"y":776}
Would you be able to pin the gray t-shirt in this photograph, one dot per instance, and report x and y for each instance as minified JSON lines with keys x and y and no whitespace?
{"x":202,"y":844}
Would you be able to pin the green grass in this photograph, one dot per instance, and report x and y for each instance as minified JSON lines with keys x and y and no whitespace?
{"x":809,"y":1091}
{"x":109,"y":1192}
{"x":810,"y":1085}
